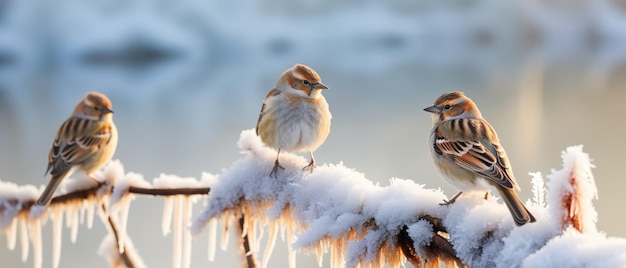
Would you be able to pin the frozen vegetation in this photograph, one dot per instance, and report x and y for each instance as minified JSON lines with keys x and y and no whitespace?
{"x":333,"y":211}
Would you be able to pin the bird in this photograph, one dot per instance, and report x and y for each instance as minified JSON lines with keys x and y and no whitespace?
{"x":295,"y":116}
{"x":467,"y":152}
{"x":84,"y":142}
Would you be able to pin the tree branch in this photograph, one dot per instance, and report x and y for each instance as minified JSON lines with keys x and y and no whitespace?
{"x":250,"y":259}
{"x":169,"y":191}
{"x":439,"y":248}
{"x":92,"y":191}
{"x":126,"y":258}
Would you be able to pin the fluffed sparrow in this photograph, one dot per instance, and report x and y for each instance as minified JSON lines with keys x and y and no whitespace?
{"x":467,"y":152}
{"x":295,"y":115}
{"x":85,"y":141}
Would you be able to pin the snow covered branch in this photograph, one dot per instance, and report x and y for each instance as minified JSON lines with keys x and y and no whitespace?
{"x":333,"y":210}
{"x":79,"y":201}
{"x":337,"y":210}
{"x":120,"y":255}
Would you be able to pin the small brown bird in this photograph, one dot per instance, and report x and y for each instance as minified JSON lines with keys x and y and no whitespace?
{"x":85,"y":141}
{"x":467,"y":152}
{"x":295,"y":116}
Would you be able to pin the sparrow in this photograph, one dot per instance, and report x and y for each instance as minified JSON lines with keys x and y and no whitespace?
{"x":467,"y":152}
{"x":84,"y":142}
{"x":294,"y":116}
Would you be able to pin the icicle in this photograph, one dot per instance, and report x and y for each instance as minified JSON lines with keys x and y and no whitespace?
{"x":212,"y":238}
{"x":336,"y":253}
{"x":57,"y":231}
{"x":271,"y":242}
{"x":186,"y":219}
{"x":290,"y":251}
{"x":35,"y":233}
{"x":81,"y":211}
{"x":178,"y":211}
{"x":74,"y":210}
{"x":124,"y":208}
{"x":24,"y":238}
{"x":539,"y":189}
{"x":261,"y":234}
{"x":67,"y":207}
{"x":91,"y":211}
{"x":226,"y":218}
{"x":319,"y":252}
{"x":11,"y":232}
{"x":166,"y":223}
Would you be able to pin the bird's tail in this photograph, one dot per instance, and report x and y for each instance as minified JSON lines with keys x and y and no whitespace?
{"x":46,"y":196}
{"x":520,"y":214}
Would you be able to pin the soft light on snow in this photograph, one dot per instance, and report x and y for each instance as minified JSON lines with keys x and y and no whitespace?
{"x":123,"y":183}
{"x":109,"y":249}
{"x":574,"y":188}
{"x":539,"y":189}
{"x":333,"y":210}
{"x":574,"y":249}
{"x":166,"y":181}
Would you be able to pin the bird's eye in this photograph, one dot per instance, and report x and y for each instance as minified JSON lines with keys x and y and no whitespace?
{"x":447,"y":106}
{"x":96,"y":108}
{"x":306,"y":82}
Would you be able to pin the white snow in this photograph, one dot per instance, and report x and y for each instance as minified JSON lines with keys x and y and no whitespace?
{"x":109,"y":249}
{"x":123,"y":183}
{"x":167,"y":181}
{"x":338,"y":210}
{"x":575,"y":249}
{"x":333,"y":210}
{"x":574,"y":182}
{"x":539,"y":190}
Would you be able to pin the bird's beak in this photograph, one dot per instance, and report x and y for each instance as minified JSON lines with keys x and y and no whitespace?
{"x":432,"y":109}
{"x":106,"y":110}
{"x":320,"y":86}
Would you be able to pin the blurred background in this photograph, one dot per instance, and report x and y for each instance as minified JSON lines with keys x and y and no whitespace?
{"x":186,"y":77}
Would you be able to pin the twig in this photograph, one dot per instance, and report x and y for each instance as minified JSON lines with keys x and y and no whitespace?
{"x":86,"y":193}
{"x":439,"y":248}
{"x":128,"y":260}
{"x":250,"y":259}
{"x":171,"y":191}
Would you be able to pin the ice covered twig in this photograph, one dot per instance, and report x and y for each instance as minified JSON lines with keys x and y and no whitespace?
{"x":126,"y":254}
{"x":337,"y":211}
{"x":333,"y":209}
{"x":572,"y":190}
{"x":77,"y":202}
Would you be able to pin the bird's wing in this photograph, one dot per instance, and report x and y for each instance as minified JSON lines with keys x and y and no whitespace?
{"x":77,"y":140}
{"x":477,"y":154}
{"x":273,"y":92}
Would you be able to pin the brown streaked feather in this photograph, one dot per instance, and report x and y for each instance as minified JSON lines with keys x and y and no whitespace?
{"x":448,"y":97}
{"x":472,"y":150}
{"x":273,"y":92}
{"x":307,"y":73}
{"x":70,"y":149}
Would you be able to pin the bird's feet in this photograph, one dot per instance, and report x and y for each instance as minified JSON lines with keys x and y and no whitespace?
{"x":310,"y":166}
{"x":275,"y":169}
{"x":451,"y":201}
{"x":98,"y":183}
